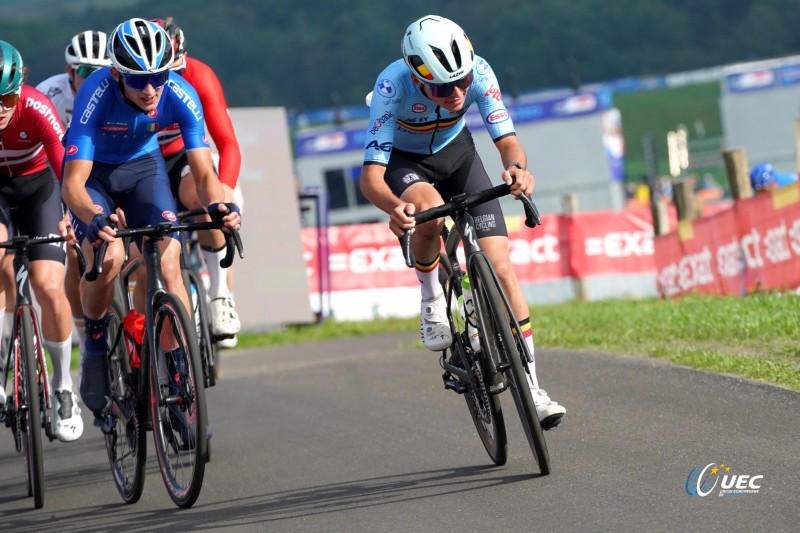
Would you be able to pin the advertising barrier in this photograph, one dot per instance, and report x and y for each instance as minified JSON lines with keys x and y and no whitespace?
{"x":754,"y":245}
{"x":368,"y":277}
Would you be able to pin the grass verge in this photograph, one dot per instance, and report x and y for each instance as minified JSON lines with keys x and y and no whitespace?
{"x":757,"y":336}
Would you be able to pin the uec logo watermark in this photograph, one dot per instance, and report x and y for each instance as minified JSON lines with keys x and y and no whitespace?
{"x":704,"y":479}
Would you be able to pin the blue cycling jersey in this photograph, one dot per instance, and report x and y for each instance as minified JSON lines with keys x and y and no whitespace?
{"x":402,"y":117}
{"x":106,"y":128}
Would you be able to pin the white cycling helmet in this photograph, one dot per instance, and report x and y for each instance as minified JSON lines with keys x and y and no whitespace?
{"x":88,"y":48}
{"x":138,"y":46}
{"x":437,"y":50}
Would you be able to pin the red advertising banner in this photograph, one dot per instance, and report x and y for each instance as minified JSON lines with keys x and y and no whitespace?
{"x":611,"y":242}
{"x":702,"y":255}
{"x":368,"y":256}
{"x":754,"y":245}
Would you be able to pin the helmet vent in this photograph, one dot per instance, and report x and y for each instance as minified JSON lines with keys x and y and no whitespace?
{"x":442,"y":59}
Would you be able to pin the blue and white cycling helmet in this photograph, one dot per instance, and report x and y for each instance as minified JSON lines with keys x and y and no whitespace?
{"x":138,"y":46}
{"x":437,"y":50}
{"x":12,"y":73}
{"x":763,"y":176}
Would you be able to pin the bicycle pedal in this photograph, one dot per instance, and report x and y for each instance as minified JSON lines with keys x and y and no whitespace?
{"x":453,"y":384}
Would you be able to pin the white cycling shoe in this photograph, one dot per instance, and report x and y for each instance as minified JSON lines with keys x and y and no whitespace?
{"x":224,"y":318}
{"x":67,"y":416}
{"x":549,"y":411}
{"x":434,"y":327}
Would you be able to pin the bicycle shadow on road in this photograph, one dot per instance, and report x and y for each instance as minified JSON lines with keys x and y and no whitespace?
{"x":268,"y":508}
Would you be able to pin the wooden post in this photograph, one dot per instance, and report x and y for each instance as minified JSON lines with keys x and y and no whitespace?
{"x":738,"y":172}
{"x":685,"y":199}
{"x":569,"y":206}
{"x":660,"y":217}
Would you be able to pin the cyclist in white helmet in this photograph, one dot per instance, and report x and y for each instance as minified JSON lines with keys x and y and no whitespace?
{"x":84,"y":54}
{"x":418,"y":151}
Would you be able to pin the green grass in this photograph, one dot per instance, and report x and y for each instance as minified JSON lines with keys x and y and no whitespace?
{"x":757,"y":336}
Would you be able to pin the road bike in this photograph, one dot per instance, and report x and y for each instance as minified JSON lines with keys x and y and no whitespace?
{"x":500,"y":363}
{"x":157,"y":385}
{"x":28,"y":405}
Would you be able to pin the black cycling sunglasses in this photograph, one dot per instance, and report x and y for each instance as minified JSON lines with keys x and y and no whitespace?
{"x":442,"y":90}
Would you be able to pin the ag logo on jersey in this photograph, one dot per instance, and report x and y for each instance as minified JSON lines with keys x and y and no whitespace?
{"x":386,"y":88}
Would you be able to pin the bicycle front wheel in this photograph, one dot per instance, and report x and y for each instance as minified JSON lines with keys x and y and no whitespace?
{"x":126,"y":437}
{"x":29,"y":407}
{"x":177,"y":400}
{"x":484,"y":407}
{"x":494,"y":317}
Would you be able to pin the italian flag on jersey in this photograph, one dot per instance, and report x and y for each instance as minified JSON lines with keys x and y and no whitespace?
{"x":152,"y":127}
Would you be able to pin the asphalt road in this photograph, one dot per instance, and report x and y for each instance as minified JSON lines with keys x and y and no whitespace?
{"x":359,"y":435}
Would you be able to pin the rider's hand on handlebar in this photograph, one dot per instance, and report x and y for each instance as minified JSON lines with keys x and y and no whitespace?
{"x":400,"y":219}
{"x":101,"y":229}
{"x":520,"y":181}
{"x":65,"y":230}
{"x":228,"y":213}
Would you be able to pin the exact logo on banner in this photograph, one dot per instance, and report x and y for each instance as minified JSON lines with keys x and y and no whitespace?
{"x":704,"y":479}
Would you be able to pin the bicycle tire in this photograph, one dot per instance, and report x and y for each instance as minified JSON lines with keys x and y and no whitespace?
{"x":484,"y":408}
{"x":494,"y":317}
{"x":178,"y":410}
{"x":30,"y":407}
{"x":200,"y":313}
{"x":126,"y":442}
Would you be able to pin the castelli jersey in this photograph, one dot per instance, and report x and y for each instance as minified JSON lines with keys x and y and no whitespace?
{"x":59,"y":91}
{"x":218,"y":121}
{"x":403,"y":117}
{"x":107,"y":128}
{"x":32,"y":137}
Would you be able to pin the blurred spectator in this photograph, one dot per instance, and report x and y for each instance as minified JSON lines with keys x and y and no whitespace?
{"x":764,"y":178}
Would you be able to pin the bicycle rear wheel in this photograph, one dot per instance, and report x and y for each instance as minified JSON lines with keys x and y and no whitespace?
{"x":126,"y":437}
{"x":494,"y":318}
{"x":484,"y":407}
{"x":29,"y":408}
{"x":177,"y":400}
{"x":202,"y":321}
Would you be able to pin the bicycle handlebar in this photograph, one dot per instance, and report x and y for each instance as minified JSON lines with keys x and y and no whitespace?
{"x":462,"y":202}
{"x":233,"y":241}
{"x":20,"y":244}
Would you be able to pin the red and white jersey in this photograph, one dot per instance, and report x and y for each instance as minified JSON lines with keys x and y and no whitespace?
{"x":32,"y":137}
{"x":218,"y":122}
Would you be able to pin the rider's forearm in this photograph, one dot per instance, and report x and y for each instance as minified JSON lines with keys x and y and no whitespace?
{"x":511,"y":152}
{"x":73,"y":191}
{"x":375,"y":189}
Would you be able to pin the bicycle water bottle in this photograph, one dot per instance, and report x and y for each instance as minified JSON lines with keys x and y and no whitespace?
{"x":469,"y":314}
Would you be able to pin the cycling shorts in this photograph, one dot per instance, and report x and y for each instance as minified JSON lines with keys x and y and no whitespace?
{"x":454,"y":169}
{"x":139,"y":186}
{"x":177,"y":168}
{"x":33,"y":205}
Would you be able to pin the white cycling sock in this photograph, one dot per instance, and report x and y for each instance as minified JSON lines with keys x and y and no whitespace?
{"x":2,"y":322}
{"x":60,"y":356}
{"x":428,"y":275}
{"x":80,"y":331}
{"x":527,"y":334}
{"x":218,"y":281}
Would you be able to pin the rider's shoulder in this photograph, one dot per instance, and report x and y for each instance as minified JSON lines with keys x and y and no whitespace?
{"x":394,"y":81}
{"x":55,"y":85}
